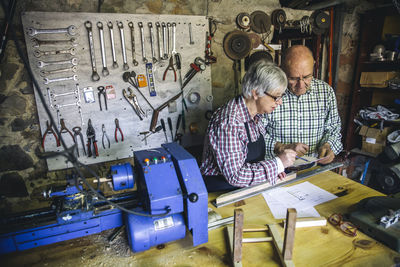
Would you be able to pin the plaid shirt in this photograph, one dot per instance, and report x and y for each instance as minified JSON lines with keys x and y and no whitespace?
{"x":311,"y":119}
{"x":225,"y":148}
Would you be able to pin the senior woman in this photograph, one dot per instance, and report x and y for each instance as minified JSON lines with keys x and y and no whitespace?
{"x":234,"y":148}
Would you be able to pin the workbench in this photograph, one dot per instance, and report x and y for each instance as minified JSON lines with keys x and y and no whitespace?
{"x":313,"y":246}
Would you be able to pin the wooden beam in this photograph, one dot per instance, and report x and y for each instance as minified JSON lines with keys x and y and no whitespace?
{"x":290,"y":229}
{"x":237,"y":235}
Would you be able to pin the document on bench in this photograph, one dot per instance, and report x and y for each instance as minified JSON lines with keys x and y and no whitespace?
{"x":303,"y":197}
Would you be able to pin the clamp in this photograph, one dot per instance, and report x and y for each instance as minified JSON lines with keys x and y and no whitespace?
{"x":103,"y":129}
{"x":170,"y":67}
{"x":49,"y":129}
{"x":78,"y":132}
{"x":132,"y":99}
{"x":91,"y":135}
{"x":116,"y":131}
{"x":102,"y":91}
{"x":64,"y":129}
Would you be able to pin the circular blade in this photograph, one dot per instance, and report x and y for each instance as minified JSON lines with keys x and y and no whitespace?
{"x":237,"y":45}
{"x":278,"y":18}
{"x":261,"y":22}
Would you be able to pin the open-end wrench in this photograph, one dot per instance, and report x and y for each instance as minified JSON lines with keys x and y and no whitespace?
{"x":37,"y":43}
{"x":134,"y":61}
{"x":75,"y":92}
{"x":110,"y":27}
{"x":140,"y":24}
{"x":95,"y":76}
{"x":165,"y":40}
{"x":121,"y":33}
{"x":159,"y":38}
{"x":66,"y":105}
{"x":105,"y":71}
{"x":50,"y":72}
{"x":173,"y":38}
{"x":153,"y":52}
{"x":73,"y":61}
{"x":71,"y":30}
{"x":190,"y":34}
{"x":73,"y":77}
{"x":49,"y":98}
{"x":38,"y":53}
{"x":169,"y":39}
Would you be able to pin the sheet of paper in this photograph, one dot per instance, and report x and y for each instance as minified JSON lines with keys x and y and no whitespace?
{"x":303,"y":197}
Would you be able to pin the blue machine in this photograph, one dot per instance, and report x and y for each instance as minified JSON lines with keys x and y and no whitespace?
{"x":170,"y":197}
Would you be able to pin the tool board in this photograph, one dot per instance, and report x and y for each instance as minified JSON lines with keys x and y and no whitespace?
{"x":67,"y":90}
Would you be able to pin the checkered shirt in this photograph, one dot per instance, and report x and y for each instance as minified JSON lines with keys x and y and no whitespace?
{"x":225,"y":147}
{"x":311,"y":119}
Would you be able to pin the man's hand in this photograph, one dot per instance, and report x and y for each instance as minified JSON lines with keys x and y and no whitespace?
{"x":326,"y":151}
{"x":300,"y":148}
{"x":288,"y":156}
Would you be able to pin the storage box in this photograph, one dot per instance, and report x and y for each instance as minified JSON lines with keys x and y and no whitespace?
{"x":376,"y":79}
{"x":373,"y":140}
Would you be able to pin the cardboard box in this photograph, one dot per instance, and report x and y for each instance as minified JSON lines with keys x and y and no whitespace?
{"x":376,"y":79}
{"x":373,"y":140}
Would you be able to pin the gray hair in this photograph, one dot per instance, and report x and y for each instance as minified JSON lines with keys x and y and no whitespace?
{"x":263,"y":76}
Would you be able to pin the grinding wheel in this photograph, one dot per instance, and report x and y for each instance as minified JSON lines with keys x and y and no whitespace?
{"x":237,"y":45}
{"x":255,"y":40}
{"x":278,"y":19}
{"x":320,"y":21}
{"x":261,"y":22}
{"x":243,"y":20}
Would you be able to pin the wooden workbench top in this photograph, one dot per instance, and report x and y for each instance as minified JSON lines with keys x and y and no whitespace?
{"x":314,"y":246}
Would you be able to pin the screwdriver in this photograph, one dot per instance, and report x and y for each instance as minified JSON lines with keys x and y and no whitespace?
{"x":170,"y":128}
{"x":164,"y":130}
{"x":178,"y":123}
{"x":179,"y":66}
{"x":156,"y":130}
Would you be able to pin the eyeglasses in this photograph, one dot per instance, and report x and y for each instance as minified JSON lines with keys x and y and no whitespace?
{"x":347,"y":228}
{"x":275,"y":98}
{"x":307,"y":79}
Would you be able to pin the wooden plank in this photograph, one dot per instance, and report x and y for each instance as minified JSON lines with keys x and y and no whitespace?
{"x":257,"y":239}
{"x":229,"y":229}
{"x":309,"y":222}
{"x":237,"y":235}
{"x":278,"y":243}
{"x":290,"y":230}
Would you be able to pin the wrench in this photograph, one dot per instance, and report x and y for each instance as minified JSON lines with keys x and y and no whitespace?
{"x":49,"y":97}
{"x":169,"y":39}
{"x":73,"y":61}
{"x":110,"y":27}
{"x":121,"y":33}
{"x":37,"y":43}
{"x":190,"y":34}
{"x":165,"y":40}
{"x":64,"y":94}
{"x":47,"y":80}
{"x":105,"y":71}
{"x":173,"y":38}
{"x":159,"y":38}
{"x":45,"y":73}
{"x":153,"y":52}
{"x":134,"y":61}
{"x":95,"y":75}
{"x":140,"y":24}
{"x":71,"y":30}
{"x":38,"y":53}
{"x":66,"y":105}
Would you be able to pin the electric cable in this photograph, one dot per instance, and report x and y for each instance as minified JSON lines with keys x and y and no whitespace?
{"x":68,"y":152}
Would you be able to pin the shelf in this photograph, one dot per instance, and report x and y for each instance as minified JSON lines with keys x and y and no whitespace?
{"x":380,"y":65}
{"x":360,"y":152}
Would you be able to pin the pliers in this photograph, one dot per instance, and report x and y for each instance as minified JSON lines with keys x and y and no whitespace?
{"x":103,"y":129}
{"x":116,"y":131}
{"x":78,"y":131}
{"x":102,"y":91}
{"x":91,"y":135}
{"x":132,"y":99}
{"x":49,"y":129}
{"x":170,"y":67}
{"x":64,"y":129}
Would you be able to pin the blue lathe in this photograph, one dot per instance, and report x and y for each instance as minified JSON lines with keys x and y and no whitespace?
{"x":170,"y":197}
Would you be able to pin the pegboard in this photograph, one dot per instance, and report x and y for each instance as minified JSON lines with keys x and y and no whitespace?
{"x":75,"y":115}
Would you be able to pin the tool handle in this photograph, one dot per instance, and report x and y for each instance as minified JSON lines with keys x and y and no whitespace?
{"x":154,"y":120}
{"x":170,"y":124}
{"x":163,"y":124}
{"x":158,"y":128}
{"x":178,"y":61}
{"x":178,"y":123}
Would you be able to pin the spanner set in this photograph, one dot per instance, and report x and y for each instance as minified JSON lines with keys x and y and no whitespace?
{"x":80,"y":62}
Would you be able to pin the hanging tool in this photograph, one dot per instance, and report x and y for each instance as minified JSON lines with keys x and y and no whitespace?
{"x":116,"y":131}
{"x":91,"y":136}
{"x":145,"y":137}
{"x":184,"y":106}
{"x":170,"y":128}
{"x":209,"y":58}
{"x":64,"y":129}
{"x":102,"y":91}
{"x":150,"y":78}
{"x":158,"y":128}
{"x":178,"y":124}
{"x":78,"y":132}
{"x":130,"y":77}
{"x":49,"y":129}
{"x":170,"y":67}
{"x":132,"y":99}
{"x":103,"y":129}
{"x":164,"y":130}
